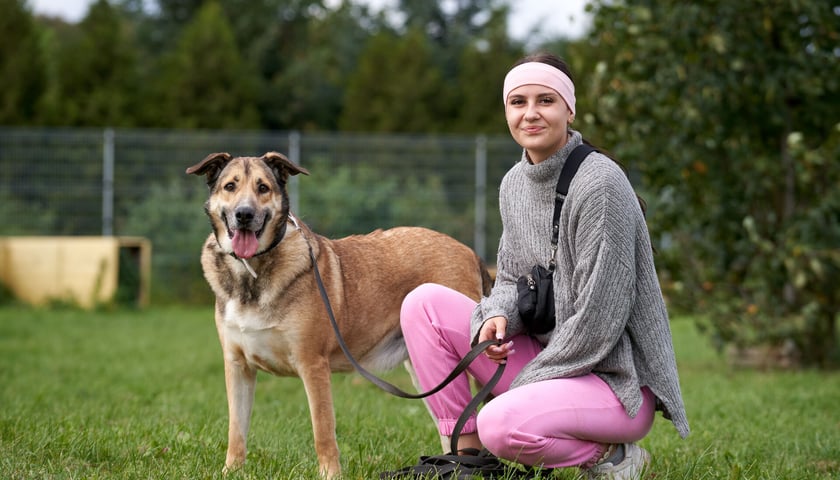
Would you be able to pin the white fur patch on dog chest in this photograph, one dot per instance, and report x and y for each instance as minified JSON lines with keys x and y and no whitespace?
{"x":246,"y":319}
{"x":261,"y":341}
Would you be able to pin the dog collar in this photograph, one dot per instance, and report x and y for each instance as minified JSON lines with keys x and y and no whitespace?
{"x":277,"y":239}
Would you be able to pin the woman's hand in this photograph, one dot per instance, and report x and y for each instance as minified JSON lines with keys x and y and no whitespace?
{"x":494,"y":329}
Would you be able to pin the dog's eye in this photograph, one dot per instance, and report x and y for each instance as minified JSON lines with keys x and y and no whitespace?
{"x":263,"y":188}
{"x":230,"y":186}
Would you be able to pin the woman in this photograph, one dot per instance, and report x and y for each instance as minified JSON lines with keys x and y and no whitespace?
{"x":585,"y":392}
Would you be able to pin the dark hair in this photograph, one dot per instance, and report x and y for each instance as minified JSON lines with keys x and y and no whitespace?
{"x":548,"y":59}
{"x":560,"y":64}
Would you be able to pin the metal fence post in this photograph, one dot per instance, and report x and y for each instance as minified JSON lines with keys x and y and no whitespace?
{"x":294,"y":186}
{"x":480,"y":239}
{"x":108,"y":182}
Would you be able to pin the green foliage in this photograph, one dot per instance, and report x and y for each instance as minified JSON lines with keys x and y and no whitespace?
{"x":481,"y":74}
{"x":274,"y":64}
{"x":792,"y":273}
{"x":170,"y":217}
{"x":435,"y":74}
{"x":7,"y":297}
{"x":453,"y":27}
{"x":22,"y":65}
{"x":702,"y":99}
{"x":355,"y":199}
{"x":34,"y":222}
{"x":397,"y":87}
{"x":49,"y":186}
{"x":96,"y":81}
{"x":305,"y":77}
{"x":204,"y":82}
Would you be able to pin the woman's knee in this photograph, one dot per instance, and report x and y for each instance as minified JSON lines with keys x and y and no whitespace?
{"x":504,"y":432}
{"x":493,"y":423}
{"x":414,"y":303}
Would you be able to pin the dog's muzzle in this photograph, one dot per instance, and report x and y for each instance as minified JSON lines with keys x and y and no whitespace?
{"x":245,"y":231}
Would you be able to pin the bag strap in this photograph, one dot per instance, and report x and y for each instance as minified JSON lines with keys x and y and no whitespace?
{"x":568,"y":172}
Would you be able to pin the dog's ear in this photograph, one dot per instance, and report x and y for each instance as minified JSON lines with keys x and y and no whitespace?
{"x":212,"y":165}
{"x":282,"y":166}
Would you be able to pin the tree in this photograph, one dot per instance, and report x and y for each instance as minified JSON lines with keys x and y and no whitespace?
{"x":22,"y":65}
{"x":482,"y":68}
{"x":287,"y":57}
{"x":97,"y":83}
{"x":204,"y":82}
{"x":397,"y":87}
{"x":451,"y":27}
{"x":729,"y":111}
{"x":306,"y":75}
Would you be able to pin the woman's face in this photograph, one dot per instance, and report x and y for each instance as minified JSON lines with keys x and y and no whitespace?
{"x":538,"y":119}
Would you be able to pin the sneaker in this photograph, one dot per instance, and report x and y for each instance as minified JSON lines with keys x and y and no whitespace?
{"x":635,"y":460}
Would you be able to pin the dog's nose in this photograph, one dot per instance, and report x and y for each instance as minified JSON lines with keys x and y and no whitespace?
{"x":244,"y":214}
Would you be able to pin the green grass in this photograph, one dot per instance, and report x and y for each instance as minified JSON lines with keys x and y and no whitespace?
{"x":140,"y":394}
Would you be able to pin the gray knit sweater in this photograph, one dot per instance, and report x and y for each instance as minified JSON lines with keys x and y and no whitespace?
{"x":611,"y":317}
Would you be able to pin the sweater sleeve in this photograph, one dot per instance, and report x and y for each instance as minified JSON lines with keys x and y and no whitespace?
{"x":502,"y":298}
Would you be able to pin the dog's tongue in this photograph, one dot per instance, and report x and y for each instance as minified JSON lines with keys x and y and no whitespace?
{"x":245,"y":243}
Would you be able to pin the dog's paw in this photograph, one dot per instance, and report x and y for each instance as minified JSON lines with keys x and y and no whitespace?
{"x":330,"y":470}
{"x":234,"y":466}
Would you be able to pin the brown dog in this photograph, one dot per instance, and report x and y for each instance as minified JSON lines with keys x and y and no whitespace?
{"x":269,"y":313}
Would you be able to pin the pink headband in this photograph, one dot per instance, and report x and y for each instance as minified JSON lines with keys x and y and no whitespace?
{"x":538,"y":73}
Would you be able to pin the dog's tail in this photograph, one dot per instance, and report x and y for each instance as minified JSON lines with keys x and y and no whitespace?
{"x":486,"y":278}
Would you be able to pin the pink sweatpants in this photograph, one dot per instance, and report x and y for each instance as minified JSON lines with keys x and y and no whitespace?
{"x":554,"y":423}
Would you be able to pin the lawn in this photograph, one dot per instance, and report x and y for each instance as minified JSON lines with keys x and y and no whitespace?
{"x":140,"y":395}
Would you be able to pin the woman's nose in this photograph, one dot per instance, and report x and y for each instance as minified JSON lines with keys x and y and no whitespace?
{"x":531,"y":111}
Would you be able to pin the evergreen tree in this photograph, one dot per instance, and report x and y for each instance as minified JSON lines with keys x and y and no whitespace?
{"x":96,"y":82}
{"x":22,"y":67}
{"x":204,"y":82}
{"x":482,"y":69}
{"x":451,"y":27}
{"x":397,"y":87}
{"x":306,"y":77}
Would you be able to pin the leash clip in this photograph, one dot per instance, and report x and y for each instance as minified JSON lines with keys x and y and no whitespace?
{"x":249,"y":268}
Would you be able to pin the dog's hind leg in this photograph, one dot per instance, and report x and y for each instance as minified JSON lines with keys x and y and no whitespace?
{"x":317,"y":383}
{"x":241,"y":382}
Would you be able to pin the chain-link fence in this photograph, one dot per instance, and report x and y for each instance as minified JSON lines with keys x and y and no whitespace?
{"x":132,"y":183}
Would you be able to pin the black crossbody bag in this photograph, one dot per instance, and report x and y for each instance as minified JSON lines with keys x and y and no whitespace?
{"x":535,"y":290}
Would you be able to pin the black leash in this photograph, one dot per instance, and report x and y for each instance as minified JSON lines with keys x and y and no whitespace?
{"x":394,"y":390}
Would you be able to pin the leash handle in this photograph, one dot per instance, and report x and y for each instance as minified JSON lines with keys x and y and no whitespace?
{"x":390,"y":388}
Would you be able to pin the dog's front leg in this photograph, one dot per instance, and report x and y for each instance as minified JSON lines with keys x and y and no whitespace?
{"x":241,"y":382}
{"x":316,"y":381}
